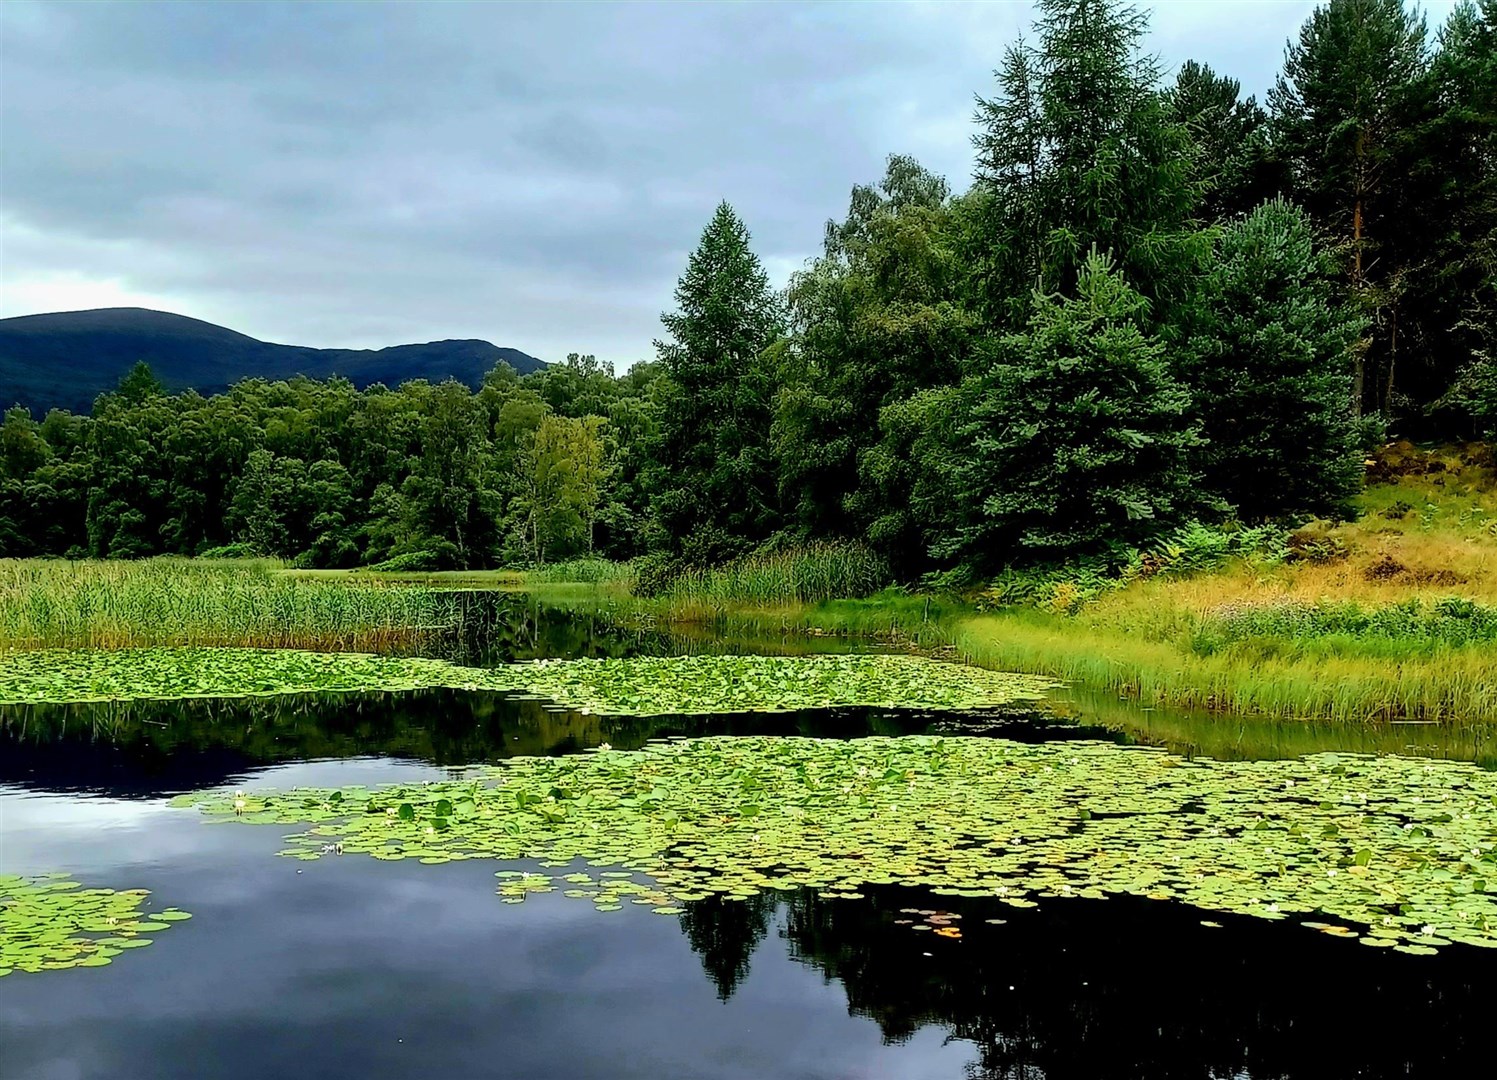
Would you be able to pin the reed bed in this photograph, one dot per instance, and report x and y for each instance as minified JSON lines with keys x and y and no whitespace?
{"x":48,"y":603}
{"x":809,"y":575}
{"x":582,"y":572}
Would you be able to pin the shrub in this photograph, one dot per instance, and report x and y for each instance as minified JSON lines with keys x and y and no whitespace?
{"x":237,"y":550}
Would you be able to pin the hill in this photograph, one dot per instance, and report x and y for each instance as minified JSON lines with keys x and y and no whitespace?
{"x":66,"y":359}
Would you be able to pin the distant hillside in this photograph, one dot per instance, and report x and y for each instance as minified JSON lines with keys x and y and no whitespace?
{"x":65,"y":360}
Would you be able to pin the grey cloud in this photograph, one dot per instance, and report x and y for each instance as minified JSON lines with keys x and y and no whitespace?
{"x":366,"y":174}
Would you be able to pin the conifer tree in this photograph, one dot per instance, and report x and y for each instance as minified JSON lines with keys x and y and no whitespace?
{"x":1268,"y":362}
{"x":1452,"y":298}
{"x":1078,"y":151}
{"x":1346,"y":111}
{"x":1078,"y":439}
{"x":714,"y":493}
{"x":1234,"y":164}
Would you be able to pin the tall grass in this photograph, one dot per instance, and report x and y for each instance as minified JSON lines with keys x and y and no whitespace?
{"x":1456,"y":684}
{"x":53,"y":603}
{"x":582,"y":572}
{"x":808,"y":575}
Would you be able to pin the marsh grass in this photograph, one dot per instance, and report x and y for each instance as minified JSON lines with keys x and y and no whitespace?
{"x":1276,"y":678}
{"x":581,"y":572}
{"x":47,"y":603}
{"x":809,"y":575}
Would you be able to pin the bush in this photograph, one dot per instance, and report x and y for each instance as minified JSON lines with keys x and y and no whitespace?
{"x":236,"y":550}
{"x":423,"y":561}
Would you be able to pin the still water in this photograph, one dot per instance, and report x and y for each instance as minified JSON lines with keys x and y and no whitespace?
{"x":348,"y":967}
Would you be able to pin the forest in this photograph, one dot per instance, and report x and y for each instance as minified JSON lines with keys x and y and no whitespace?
{"x":1158,"y":302}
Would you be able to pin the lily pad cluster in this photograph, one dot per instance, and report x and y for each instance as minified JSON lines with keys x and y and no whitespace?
{"x":640,"y":686}
{"x":51,"y":922}
{"x":1397,"y":852}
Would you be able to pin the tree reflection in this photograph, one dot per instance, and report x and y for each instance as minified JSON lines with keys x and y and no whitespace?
{"x":725,"y":933}
{"x":1140,"y":989}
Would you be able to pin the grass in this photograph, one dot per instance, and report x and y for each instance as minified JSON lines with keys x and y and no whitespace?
{"x":436,"y":579}
{"x":1392,"y":616}
{"x":49,"y":603}
{"x":808,"y":575}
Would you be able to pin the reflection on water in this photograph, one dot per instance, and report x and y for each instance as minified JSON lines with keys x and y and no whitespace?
{"x":1232,"y":737}
{"x":347,"y":967}
{"x":351,"y":968}
{"x":148,"y":749}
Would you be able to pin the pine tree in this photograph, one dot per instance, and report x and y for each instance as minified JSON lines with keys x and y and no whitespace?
{"x":1268,"y":362}
{"x":1234,"y":163}
{"x":1345,"y":114}
{"x":714,"y":492}
{"x":1078,"y":439}
{"x":1453,"y":282}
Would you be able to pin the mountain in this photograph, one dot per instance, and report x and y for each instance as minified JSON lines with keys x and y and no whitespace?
{"x":64,"y":360}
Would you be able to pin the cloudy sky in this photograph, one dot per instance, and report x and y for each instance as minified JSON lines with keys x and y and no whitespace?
{"x":361,"y":175}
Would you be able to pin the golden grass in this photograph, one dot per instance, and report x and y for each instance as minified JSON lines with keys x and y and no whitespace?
{"x":1457,"y":685}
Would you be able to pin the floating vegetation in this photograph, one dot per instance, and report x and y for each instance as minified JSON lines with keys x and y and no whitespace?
{"x":628,"y":687}
{"x":652,"y":685}
{"x":1393,"y":851}
{"x":50,"y":922}
{"x":75,"y":675}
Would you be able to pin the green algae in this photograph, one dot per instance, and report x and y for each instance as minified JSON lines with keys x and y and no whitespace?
{"x":639,"y":686}
{"x":1390,"y":850}
{"x":51,"y":922}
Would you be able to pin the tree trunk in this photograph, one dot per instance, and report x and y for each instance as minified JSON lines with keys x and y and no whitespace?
{"x":1392,"y":356}
{"x":1359,"y":377}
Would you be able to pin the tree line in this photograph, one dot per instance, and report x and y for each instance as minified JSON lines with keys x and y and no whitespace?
{"x":1158,"y":301}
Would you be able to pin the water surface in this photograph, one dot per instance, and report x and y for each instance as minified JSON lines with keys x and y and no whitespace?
{"x":348,"y":967}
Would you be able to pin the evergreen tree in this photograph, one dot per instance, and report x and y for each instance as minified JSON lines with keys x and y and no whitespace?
{"x":1234,"y":162}
{"x":1078,"y":151}
{"x":1268,"y":362}
{"x":1452,"y":285}
{"x":1077,"y":440}
{"x":714,"y":491}
{"x":1346,"y":111}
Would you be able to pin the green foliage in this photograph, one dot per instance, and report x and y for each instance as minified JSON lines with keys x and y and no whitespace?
{"x":714,"y":492}
{"x":584,"y":571}
{"x":562,"y":469}
{"x":51,"y":923}
{"x":236,"y":550}
{"x":876,"y":319}
{"x":1417,"y":625}
{"x":1234,"y":160}
{"x":1078,"y":439}
{"x":1356,"y":116}
{"x":1475,"y":395}
{"x":1079,"y":153}
{"x":1267,"y":359}
{"x":1193,"y":548}
{"x":806,"y":575}
{"x":637,"y":686}
{"x":47,"y":603}
{"x":1396,"y":852}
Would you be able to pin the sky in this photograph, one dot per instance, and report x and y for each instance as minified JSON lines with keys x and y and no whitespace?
{"x":358,"y":175}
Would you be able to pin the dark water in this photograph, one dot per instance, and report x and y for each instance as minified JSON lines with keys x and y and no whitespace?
{"x":348,"y":967}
